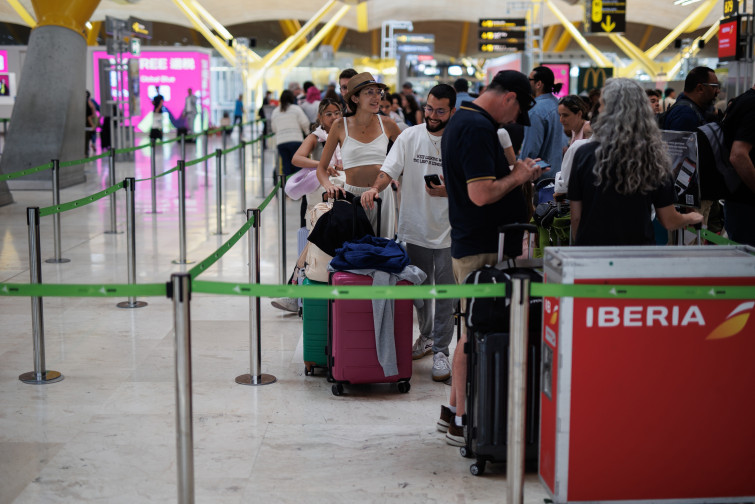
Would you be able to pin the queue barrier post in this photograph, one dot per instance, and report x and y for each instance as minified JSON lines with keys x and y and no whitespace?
{"x":219,"y":190}
{"x":41,"y":375}
{"x":182,"y":214}
{"x":205,"y":147}
{"x":56,"y":216}
{"x":113,"y":199}
{"x":183,"y":146}
{"x":180,"y":291}
{"x":242,"y":175}
{"x":517,"y":400}
{"x":130,"y":185}
{"x":255,"y":376}
{"x":282,"y":229}
{"x":153,"y":173}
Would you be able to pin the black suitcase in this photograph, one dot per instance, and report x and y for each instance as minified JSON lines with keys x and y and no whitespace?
{"x":487,"y":389}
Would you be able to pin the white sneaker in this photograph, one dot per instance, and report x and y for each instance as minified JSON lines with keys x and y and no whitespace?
{"x":422,"y":346}
{"x":441,"y":367}
{"x":286,"y":304}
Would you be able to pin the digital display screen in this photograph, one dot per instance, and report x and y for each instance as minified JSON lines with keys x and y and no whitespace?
{"x":3,"y":61}
{"x":174,"y":72}
{"x":728,"y":40}
{"x":561,"y":74}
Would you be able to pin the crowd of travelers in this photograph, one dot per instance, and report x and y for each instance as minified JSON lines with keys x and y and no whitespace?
{"x":484,"y":155}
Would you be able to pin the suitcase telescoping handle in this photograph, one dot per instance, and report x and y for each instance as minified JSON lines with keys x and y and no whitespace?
{"x":357,"y":202}
{"x":508,"y":228}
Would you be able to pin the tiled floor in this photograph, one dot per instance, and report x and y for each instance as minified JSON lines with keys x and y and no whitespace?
{"x":107,"y":432}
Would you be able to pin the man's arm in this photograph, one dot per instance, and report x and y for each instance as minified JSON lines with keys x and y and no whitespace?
{"x":740,"y":160}
{"x":381,"y":182}
{"x":487,"y":191}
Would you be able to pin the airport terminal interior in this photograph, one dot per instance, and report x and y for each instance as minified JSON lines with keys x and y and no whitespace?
{"x":107,"y":431}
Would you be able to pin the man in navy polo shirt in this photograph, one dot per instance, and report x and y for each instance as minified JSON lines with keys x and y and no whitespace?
{"x":484,"y":192}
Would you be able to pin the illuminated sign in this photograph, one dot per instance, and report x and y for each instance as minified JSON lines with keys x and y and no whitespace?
{"x":731,"y":7}
{"x":605,"y":16}
{"x":174,"y":72}
{"x":139,"y":27}
{"x":415,"y":43}
{"x":728,"y":40}
{"x":506,"y":45}
{"x":502,"y":35}
{"x":562,"y":75}
{"x":501,"y":23}
{"x":592,"y":78}
{"x":3,"y":61}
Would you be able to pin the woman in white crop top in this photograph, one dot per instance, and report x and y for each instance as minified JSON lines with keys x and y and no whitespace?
{"x":363,"y":139}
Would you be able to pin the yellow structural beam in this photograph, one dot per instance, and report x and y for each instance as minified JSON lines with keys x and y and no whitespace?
{"x":93,"y":32}
{"x":337,"y":36}
{"x":289,"y":26}
{"x":72,"y":14}
{"x":692,"y":22}
{"x":651,"y":67}
{"x":21,"y":11}
{"x":295,"y":59}
{"x":591,"y":50}
{"x":220,"y":29}
{"x":220,"y":45}
{"x":550,"y":34}
{"x":645,"y":37}
{"x":674,"y":66}
{"x":563,"y":41}
{"x":464,"y":39}
{"x":362,"y":24}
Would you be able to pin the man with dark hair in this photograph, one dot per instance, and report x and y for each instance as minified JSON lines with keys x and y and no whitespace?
{"x":669,"y":98}
{"x":544,"y":138}
{"x":701,"y":88}
{"x":343,"y":81}
{"x":423,"y":220}
{"x":462,"y":91}
{"x":483,"y":193}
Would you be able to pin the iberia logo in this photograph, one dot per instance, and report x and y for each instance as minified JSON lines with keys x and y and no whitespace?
{"x":734,"y":323}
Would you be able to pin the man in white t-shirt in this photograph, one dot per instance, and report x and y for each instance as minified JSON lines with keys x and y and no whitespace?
{"x":423,"y":220}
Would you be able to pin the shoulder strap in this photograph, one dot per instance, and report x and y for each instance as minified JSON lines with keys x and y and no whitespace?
{"x":346,"y":126}
{"x":380,"y":120}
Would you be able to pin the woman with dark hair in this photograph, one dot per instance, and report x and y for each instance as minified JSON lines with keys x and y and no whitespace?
{"x":410,"y":107}
{"x":290,"y":124}
{"x":572,"y":112}
{"x":622,"y":173}
{"x":363,"y":138}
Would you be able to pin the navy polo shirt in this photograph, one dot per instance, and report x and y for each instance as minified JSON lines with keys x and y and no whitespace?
{"x":471,"y":151}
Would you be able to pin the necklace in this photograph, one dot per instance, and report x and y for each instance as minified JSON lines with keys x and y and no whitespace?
{"x":434,"y":142}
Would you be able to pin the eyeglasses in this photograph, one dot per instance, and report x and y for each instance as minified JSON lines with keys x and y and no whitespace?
{"x":711,"y":84}
{"x":438,"y":111}
{"x":372,"y":92}
{"x":337,"y":113}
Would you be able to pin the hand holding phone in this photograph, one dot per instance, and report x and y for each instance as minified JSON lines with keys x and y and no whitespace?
{"x":542,"y":164}
{"x":432,"y":179}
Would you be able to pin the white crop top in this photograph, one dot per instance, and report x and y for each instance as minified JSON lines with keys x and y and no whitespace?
{"x":355,"y":153}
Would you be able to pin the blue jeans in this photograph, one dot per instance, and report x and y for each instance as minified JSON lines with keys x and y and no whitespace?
{"x":739,"y":222}
{"x":286,"y":151}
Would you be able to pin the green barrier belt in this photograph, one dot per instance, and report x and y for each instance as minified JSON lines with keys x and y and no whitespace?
{"x":199,"y":160}
{"x":175,"y":168}
{"x":132,"y":149}
{"x":82,"y":161}
{"x":468,"y":291}
{"x":83,"y":290}
{"x":231,"y":149}
{"x":9,"y":176}
{"x":270,"y":196}
{"x":79,"y":202}
{"x":712,"y":237}
{"x":199,"y":268}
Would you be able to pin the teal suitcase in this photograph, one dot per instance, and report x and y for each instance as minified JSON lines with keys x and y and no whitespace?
{"x":315,"y":319}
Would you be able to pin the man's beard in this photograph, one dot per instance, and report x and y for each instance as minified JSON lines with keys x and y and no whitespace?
{"x":435,"y":129}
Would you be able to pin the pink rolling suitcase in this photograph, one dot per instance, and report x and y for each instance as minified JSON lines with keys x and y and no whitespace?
{"x":352,"y":352}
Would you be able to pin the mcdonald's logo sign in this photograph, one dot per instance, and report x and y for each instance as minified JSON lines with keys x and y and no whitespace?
{"x":592,"y":77}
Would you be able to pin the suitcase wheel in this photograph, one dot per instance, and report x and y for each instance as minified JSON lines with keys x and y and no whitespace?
{"x":337,"y":389}
{"x":404,"y":387}
{"x":478,"y":468}
{"x":465,"y":452}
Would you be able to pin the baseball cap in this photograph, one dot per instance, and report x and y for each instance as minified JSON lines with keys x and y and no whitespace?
{"x":517,"y":82}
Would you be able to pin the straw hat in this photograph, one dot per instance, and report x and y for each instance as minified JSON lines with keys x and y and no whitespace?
{"x":359,"y":82}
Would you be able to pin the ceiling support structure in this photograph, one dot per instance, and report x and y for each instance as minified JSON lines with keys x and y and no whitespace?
{"x":335,"y":37}
{"x":692,"y":22}
{"x":564,"y":39}
{"x":21,"y":11}
{"x":675,"y":65}
{"x":464,"y":39}
{"x":219,"y":44}
{"x":635,"y":54}
{"x":93,"y":30}
{"x":295,"y":59}
{"x":362,"y":24}
{"x":550,"y":35}
{"x":590,"y":49}
{"x":646,"y":37}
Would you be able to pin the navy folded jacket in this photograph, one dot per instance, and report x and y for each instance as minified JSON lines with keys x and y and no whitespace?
{"x":371,"y":252}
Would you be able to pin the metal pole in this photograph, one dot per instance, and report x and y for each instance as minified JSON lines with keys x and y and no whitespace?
{"x":518,"y":330}
{"x":255,"y":377}
{"x":111,"y":183}
{"x":153,"y":171}
{"x":183,"y":147}
{"x":56,"y":215}
{"x":181,"y":294}
{"x":182,"y":214}
{"x":282,"y":229}
{"x":40,"y":375}
{"x":219,"y":189}
{"x":242,"y":166}
{"x":129,"y":184}
{"x":206,"y":147}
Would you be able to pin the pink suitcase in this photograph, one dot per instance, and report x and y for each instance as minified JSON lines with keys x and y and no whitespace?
{"x":352,"y":355}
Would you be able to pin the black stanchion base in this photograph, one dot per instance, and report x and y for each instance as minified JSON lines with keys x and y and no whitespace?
{"x":135,"y":304}
{"x":53,"y":260}
{"x":179,"y":261}
{"x":263,"y":379}
{"x":46,"y":377}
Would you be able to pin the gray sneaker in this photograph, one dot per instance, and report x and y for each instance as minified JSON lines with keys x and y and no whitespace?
{"x":286,"y":304}
{"x":422,"y":346}
{"x":441,"y":367}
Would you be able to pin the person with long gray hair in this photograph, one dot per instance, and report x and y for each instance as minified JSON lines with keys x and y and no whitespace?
{"x":622,"y":173}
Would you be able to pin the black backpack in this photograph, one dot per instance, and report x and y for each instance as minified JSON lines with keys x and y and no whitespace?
{"x":718,"y":178}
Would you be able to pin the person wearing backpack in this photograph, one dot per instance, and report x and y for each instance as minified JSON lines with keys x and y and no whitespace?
{"x":739,"y":138}
{"x":690,"y":110}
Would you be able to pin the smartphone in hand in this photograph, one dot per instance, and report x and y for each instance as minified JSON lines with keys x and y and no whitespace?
{"x":542,"y":164}
{"x":432,"y":179}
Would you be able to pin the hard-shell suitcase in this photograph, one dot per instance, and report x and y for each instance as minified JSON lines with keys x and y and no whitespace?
{"x":487,"y":384}
{"x":315,"y":331}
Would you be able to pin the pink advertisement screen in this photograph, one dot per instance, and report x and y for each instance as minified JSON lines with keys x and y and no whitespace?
{"x":3,"y":61}
{"x":561,"y":74}
{"x":175,"y":72}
